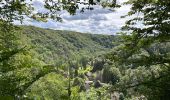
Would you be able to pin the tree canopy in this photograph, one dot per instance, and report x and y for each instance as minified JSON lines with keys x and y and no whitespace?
{"x":145,"y":44}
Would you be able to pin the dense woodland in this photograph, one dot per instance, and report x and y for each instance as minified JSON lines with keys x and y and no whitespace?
{"x":46,"y":64}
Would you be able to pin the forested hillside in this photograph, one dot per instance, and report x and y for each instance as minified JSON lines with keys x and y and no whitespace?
{"x":55,"y":45}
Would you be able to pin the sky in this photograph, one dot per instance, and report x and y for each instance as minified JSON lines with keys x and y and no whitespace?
{"x":97,"y":21}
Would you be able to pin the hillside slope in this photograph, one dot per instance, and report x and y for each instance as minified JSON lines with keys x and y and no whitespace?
{"x":55,"y":45}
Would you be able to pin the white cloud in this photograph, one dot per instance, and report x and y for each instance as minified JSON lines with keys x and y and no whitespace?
{"x":99,"y":20}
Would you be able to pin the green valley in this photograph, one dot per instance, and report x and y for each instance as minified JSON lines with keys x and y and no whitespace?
{"x":39,"y":62}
